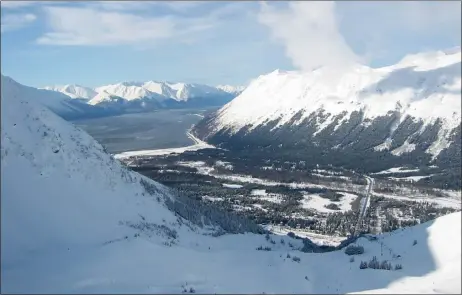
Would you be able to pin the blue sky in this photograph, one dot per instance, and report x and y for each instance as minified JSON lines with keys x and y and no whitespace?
{"x":96,"y":43}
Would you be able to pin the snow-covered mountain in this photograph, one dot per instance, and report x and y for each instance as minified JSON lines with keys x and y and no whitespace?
{"x":128,"y":91}
{"x":161,"y":90}
{"x":74,"y":220}
{"x":102,"y":97}
{"x":149,"y":95}
{"x":59,"y":103}
{"x":232,"y":89}
{"x":409,"y":109}
{"x":74,"y":91}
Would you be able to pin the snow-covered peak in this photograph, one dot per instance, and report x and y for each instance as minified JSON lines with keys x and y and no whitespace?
{"x":60,"y":190}
{"x":103,"y":96}
{"x":160,"y":90}
{"x":56,"y":101}
{"x":74,"y":91}
{"x":231,"y":89}
{"x":129,"y":91}
{"x":425,"y":61}
{"x":426,"y":87}
{"x":185,"y":91}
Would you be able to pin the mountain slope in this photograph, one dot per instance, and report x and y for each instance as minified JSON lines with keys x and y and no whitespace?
{"x":410,"y":110}
{"x":73,"y":220}
{"x":236,"y":90}
{"x":57,"y":102}
{"x":74,"y":91}
{"x":57,"y":161}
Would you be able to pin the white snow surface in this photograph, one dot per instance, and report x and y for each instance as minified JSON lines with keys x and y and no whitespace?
{"x":198,"y":144}
{"x":231,"y":185}
{"x":396,"y":170}
{"x":318,"y":203}
{"x":129,"y":91}
{"x":60,"y":190}
{"x":63,"y":199}
{"x":74,"y":91}
{"x":425,"y":87}
{"x":55,"y":101}
{"x":102,"y":96}
{"x":231,"y":89}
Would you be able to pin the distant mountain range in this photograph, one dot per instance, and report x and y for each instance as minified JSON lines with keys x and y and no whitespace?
{"x":77,"y":102}
{"x":145,"y":96}
{"x":61,"y":104}
{"x":364,"y":118}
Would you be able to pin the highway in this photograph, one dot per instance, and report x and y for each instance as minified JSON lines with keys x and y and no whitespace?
{"x":365,"y":203}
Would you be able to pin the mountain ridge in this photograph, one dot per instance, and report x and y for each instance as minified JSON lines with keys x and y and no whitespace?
{"x":409,"y":110}
{"x":130,"y":90}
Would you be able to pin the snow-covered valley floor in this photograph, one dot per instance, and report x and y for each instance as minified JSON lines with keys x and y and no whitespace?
{"x":452,"y":199}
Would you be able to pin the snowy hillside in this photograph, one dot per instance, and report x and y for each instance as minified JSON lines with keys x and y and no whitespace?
{"x":58,"y":162}
{"x":408,"y":108}
{"x":59,"y":103}
{"x":102,"y":97}
{"x":74,"y":91}
{"x":425,"y":87}
{"x":74,"y":220}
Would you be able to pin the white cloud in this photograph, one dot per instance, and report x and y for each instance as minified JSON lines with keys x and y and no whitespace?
{"x":15,"y":21}
{"x":309,"y":33}
{"x":93,"y":26}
